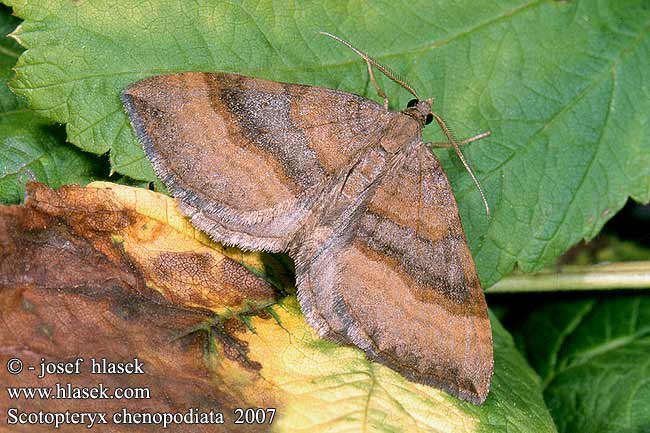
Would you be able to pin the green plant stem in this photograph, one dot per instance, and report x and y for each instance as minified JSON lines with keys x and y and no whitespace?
{"x":624,"y":275}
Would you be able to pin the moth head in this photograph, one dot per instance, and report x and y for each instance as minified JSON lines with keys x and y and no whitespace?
{"x":420,"y":110}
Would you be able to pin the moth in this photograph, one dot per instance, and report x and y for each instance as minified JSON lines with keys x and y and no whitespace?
{"x":350,"y":191}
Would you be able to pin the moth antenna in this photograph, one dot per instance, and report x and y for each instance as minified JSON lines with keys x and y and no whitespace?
{"x":453,"y":143}
{"x":384,"y":69}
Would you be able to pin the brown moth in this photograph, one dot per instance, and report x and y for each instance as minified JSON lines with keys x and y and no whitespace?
{"x":350,"y":191}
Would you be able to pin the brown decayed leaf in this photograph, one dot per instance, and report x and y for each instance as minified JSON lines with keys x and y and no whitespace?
{"x":144,"y":231}
{"x":76,"y":275}
{"x":176,"y":233}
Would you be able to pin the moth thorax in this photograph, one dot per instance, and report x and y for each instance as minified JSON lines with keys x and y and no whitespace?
{"x":399,"y":134}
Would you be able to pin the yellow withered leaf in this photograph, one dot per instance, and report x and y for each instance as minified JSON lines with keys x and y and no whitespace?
{"x":324,"y":387}
{"x":318,"y":386}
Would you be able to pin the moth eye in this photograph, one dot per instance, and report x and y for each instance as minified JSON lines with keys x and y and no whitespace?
{"x":429,"y":119}
{"x":412,"y":103}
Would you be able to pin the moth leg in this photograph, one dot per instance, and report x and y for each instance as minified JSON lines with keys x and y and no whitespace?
{"x":374,"y":82}
{"x":384,"y":70}
{"x":477,"y":137}
{"x":454,"y":145}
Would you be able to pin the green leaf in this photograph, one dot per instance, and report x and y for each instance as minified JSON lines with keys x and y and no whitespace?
{"x":31,"y":147}
{"x":562,"y":86}
{"x":9,"y":53}
{"x":515,"y":404}
{"x":593,"y":356}
{"x":320,"y":386}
